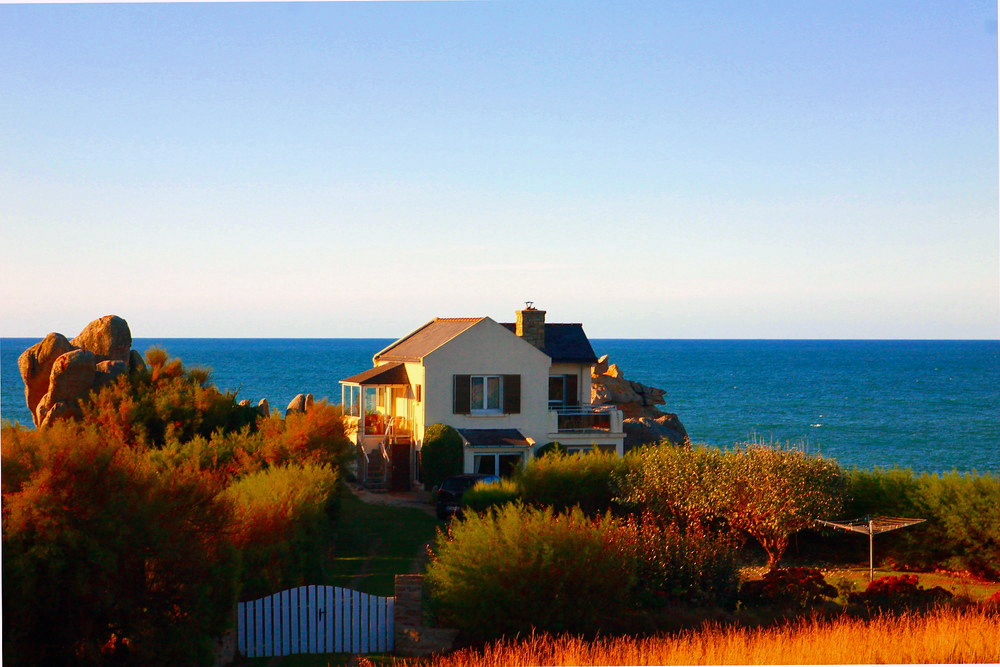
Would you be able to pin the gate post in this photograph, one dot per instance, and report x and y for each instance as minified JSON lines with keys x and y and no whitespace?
{"x":412,"y":634}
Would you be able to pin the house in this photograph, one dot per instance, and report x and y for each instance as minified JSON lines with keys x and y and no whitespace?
{"x":508,"y":388}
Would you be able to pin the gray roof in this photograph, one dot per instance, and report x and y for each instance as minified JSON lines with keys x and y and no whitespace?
{"x":494,"y":437}
{"x":418,"y":344}
{"x":392,"y":373}
{"x":565,"y":343}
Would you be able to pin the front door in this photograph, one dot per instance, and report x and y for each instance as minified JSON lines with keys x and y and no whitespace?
{"x":399,"y":456}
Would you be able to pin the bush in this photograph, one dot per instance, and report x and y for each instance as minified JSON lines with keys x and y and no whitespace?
{"x":795,"y":587}
{"x":549,"y":448}
{"x":898,"y":593}
{"x":516,"y":569}
{"x":561,"y":481}
{"x":441,"y":455}
{"x":482,"y":497}
{"x":962,"y":512}
{"x":104,"y":554}
{"x":281,"y":523}
{"x":677,"y":567}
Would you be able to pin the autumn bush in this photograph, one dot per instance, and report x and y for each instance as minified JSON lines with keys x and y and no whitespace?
{"x":103,"y":554}
{"x":898,"y":593}
{"x":128,"y":534}
{"x":690,"y":567}
{"x":281,"y":524}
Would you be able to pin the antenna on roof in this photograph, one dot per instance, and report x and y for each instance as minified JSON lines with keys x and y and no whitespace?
{"x":529,"y":305}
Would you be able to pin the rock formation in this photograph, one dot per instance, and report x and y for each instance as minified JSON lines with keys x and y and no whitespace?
{"x":643,"y":421}
{"x":301,"y":403}
{"x":57,"y":372}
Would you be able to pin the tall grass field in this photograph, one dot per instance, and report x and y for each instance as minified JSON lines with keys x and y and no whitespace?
{"x":946,"y":636}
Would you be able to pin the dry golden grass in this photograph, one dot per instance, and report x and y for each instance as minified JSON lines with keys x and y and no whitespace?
{"x":947,"y":637}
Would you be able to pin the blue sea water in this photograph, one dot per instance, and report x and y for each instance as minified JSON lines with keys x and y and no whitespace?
{"x":926,"y":405}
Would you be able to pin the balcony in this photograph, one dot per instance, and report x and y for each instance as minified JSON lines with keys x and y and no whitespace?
{"x":585,"y":419}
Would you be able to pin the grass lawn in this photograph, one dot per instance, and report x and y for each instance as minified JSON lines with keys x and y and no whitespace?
{"x":375,"y":543}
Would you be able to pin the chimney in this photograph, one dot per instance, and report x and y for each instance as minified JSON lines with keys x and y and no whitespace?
{"x":530,"y":325}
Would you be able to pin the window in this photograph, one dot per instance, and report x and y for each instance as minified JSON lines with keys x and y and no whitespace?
{"x":563,"y":391}
{"x":496,"y":464}
{"x":487,"y":394}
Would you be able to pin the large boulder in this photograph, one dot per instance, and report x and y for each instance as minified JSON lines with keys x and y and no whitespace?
{"x":58,"y":373}
{"x":643,"y":421}
{"x":35,"y":365}
{"x":643,"y":430}
{"x":108,"y":337}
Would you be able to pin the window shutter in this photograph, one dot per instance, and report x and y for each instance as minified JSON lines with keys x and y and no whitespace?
{"x":512,"y":394}
{"x":572,"y":390}
{"x":462,"y":404}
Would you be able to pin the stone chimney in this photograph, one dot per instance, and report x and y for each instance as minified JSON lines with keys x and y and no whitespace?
{"x":530,"y":325}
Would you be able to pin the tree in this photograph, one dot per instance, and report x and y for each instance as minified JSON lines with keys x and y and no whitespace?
{"x":772,"y":492}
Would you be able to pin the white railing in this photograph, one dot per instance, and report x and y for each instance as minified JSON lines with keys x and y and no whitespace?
{"x":315,"y":619}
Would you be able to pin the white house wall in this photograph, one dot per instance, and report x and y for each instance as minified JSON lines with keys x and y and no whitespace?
{"x":488,"y":349}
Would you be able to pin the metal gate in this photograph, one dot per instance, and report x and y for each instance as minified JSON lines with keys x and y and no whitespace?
{"x":315,"y":619}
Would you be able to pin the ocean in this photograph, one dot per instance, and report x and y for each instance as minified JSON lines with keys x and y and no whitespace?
{"x":927,"y":405}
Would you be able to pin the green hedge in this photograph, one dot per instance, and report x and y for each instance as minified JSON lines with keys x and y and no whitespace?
{"x":441,"y":454}
{"x":962,"y":531}
{"x":561,"y":481}
{"x":482,"y":497}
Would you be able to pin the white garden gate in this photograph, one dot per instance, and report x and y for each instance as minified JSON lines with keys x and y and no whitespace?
{"x":315,"y":619}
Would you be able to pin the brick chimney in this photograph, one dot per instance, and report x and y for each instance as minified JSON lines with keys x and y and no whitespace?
{"x":530,"y":325}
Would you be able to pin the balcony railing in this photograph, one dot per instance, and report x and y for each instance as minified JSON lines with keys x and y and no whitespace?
{"x":583,"y":419}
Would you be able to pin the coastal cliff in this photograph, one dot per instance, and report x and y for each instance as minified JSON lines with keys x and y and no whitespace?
{"x":643,"y":421}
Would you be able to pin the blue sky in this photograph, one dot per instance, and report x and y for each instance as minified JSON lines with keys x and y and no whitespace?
{"x":652,"y":169}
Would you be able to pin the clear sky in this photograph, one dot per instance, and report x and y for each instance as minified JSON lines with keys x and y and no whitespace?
{"x":822,"y":169}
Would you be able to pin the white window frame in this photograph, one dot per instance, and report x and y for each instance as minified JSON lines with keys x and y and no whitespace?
{"x":482,"y":408}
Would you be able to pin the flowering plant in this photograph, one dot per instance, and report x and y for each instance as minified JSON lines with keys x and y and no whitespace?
{"x":902,"y":591}
{"x":801,"y":587}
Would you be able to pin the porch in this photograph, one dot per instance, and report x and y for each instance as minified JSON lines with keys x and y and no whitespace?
{"x":378,"y":408}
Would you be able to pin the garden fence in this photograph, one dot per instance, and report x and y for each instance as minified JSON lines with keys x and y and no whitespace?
{"x":315,"y":619}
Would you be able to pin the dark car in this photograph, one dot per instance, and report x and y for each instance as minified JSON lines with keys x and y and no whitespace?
{"x":449,"y":495}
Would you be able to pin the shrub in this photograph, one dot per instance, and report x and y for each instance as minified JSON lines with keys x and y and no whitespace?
{"x":672,"y":566}
{"x":898,"y":593}
{"x":962,"y":512}
{"x":163,"y":402}
{"x":561,"y":481}
{"x":482,"y":497}
{"x":517,"y":568}
{"x":796,"y":587}
{"x":549,"y":448}
{"x":104,"y":553}
{"x":441,"y":455}
{"x":281,"y":523}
